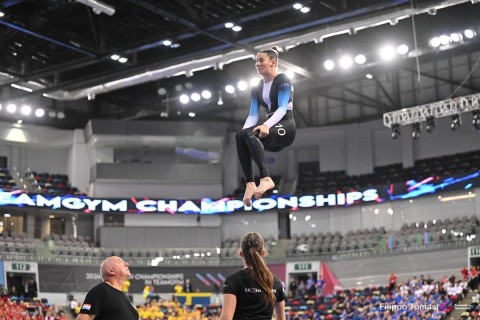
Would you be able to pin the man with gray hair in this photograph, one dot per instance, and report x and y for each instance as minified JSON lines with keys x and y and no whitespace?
{"x":106,"y":300}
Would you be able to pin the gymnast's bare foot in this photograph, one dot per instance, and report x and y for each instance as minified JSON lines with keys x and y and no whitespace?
{"x":265,"y":185}
{"x":249,"y":190}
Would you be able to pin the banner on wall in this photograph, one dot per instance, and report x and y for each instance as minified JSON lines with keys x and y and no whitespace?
{"x":61,"y":278}
{"x":408,"y":189}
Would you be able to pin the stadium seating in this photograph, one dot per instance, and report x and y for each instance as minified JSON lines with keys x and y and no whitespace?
{"x":49,"y":184}
{"x":7,"y":183}
{"x":421,"y":235}
{"x":312,"y":181}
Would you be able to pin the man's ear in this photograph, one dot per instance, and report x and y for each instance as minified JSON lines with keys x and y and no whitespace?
{"x":241,"y":253}
{"x":264,"y":253}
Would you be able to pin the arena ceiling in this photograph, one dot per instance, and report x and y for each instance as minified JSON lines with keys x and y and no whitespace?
{"x":57,"y":55}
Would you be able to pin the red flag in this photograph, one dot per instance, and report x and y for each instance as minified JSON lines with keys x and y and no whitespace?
{"x":331,"y":282}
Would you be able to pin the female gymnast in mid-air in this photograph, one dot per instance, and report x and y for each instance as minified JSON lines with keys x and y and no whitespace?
{"x":275,"y":94}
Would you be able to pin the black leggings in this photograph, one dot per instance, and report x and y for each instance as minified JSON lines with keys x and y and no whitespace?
{"x":250,"y":147}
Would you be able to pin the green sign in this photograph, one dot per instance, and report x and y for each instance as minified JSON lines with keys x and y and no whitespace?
{"x":302,"y":266}
{"x":21,"y":266}
{"x":475,"y":251}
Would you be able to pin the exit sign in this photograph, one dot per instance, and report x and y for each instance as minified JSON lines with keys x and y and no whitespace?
{"x":302,"y":266}
{"x":21,"y":266}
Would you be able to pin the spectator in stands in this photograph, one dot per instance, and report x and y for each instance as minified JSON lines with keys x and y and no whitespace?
{"x":276,"y":133}
{"x":292,"y":288}
{"x":392,"y":282}
{"x":73,"y":306}
{"x":310,"y":286}
{"x":302,"y":289}
{"x":319,"y":286}
{"x":106,"y":300}
{"x":473,"y":283}
{"x":126,"y":286}
{"x":148,"y":292}
{"x":13,"y":294}
{"x":254,"y":292}
{"x":3,"y":291}
{"x":187,"y":287}
{"x":30,"y":290}
{"x":178,"y":288}
{"x":464,"y":273}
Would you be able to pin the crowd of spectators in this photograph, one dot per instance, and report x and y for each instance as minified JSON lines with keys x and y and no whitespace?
{"x":14,"y":308}
{"x":415,"y":298}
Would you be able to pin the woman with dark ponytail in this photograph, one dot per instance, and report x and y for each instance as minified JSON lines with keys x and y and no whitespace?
{"x":253,"y":293}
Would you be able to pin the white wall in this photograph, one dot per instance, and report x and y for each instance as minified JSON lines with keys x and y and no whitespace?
{"x":124,"y":188}
{"x":166,"y":220}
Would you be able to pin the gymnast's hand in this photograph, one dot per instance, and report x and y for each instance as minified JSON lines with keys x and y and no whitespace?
{"x":263,"y":131}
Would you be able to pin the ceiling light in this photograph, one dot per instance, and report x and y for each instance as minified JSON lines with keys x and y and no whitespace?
{"x":167,"y":43}
{"x":60,"y":115}
{"x":123,"y":60}
{"x":387,"y":53}
{"x":297,"y":6}
{"x":369,"y":76}
{"x":229,"y":25}
{"x":175,"y":45}
{"x":329,"y":65}
{"x":52,"y":114}
{"x":191,"y":114}
{"x":115,"y":57}
{"x":456,"y":122}
{"x":98,"y":7}
{"x":456,"y":37}
{"x":230,"y":89}
{"x":305,"y":9}
{"x":476,"y":119}
{"x":435,"y":42}
{"x":2,"y":14}
{"x":26,"y":110}
{"x":402,"y":49}
{"x":184,"y":99}
{"x":206,"y":94}
{"x":346,"y":62}
{"x":254,"y":82}
{"x":237,"y":28}
{"x":444,"y":40}
{"x":39,"y":113}
{"x":242,"y":85}
{"x":19,"y":121}
{"x":469,"y":33}
{"x":220,"y":100}
{"x":16,"y":86}
{"x":290,"y":74}
{"x":416,"y":130}
{"x":395,"y":131}
{"x":11,"y":108}
{"x":195,"y":97}
{"x":360,"y":59}
{"x":430,"y":124}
